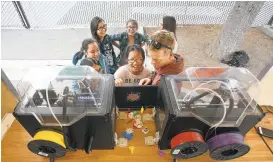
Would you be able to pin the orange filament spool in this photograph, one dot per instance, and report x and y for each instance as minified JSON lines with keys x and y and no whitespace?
{"x":188,"y":145}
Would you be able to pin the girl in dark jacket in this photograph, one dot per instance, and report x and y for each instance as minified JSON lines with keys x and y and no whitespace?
{"x":98,"y":31}
{"x":128,"y":38}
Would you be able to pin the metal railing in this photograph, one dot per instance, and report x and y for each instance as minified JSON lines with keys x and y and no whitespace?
{"x":78,"y":14}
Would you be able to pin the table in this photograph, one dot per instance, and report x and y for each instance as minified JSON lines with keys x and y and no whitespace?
{"x":14,"y":147}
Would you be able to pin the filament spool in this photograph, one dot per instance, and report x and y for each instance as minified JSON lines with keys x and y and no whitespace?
{"x":188,"y":145}
{"x":227,"y":146}
{"x":48,"y":143}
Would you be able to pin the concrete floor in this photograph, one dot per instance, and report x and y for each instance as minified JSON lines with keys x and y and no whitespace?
{"x":196,"y":40}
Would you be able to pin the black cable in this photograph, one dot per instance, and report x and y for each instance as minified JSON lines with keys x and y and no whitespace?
{"x":67,"y":139}
{"x":91,"y":129}
{"x":65,"y":101}
{"x":268,"y":109}
{"x":90,"y":144}
{"x":264,"y":140}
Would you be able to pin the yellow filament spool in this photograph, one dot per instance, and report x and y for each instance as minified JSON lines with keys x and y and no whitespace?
{"x":48,"y":144}
{"x":52,"y":136}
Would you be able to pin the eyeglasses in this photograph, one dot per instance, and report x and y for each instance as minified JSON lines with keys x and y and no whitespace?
{"x":157,"y":45}
{"x":102,"y":27}
{"x":132,"y":27}
{"x":139,"y":60}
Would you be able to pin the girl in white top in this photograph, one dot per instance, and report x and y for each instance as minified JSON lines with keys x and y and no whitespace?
{"x":131,"y":73}
{"x":169,"y":24}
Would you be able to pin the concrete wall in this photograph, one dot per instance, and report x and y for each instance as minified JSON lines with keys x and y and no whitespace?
{"x":37,"y":44}
{"x":22,"y":49}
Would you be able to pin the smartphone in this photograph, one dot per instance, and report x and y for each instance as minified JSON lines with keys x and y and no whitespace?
{"x":265,"y":132}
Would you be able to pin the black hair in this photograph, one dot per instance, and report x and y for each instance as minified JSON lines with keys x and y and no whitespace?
{"x":83,"y":49}
{"x":135,"y":47}
{"x":169,"y":23}
{"x":94,"y":27}
{"x":85,"y":44}
{"x":132,"y":21}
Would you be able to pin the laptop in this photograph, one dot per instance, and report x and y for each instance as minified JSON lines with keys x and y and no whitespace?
{"x":134,"y":97}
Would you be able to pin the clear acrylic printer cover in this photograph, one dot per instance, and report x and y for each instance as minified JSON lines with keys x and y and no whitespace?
{"x":216,"y":96}
{"x":70,"y":91}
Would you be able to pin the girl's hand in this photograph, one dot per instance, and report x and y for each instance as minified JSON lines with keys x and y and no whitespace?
{"x":97,"y":67}
{"x":145,"y":81}
{"x":118,"y":82}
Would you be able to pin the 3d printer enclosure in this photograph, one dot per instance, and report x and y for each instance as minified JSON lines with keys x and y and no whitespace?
{"x":173,"y":124}
{"x":101,"y":127}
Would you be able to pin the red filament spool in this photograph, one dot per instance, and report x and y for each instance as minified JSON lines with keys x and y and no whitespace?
{"x":188,"y":145}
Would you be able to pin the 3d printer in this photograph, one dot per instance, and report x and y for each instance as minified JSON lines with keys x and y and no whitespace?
{"x":207,"y":109}
{"x":62,"y":108}
{"x":201,"y":109}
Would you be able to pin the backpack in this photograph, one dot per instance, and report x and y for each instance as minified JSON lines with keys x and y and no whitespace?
{"x":237,"y":59}
{"x":77,"y":57}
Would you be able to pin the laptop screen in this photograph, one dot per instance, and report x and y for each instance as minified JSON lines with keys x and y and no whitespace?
{"x":134,"y":97}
